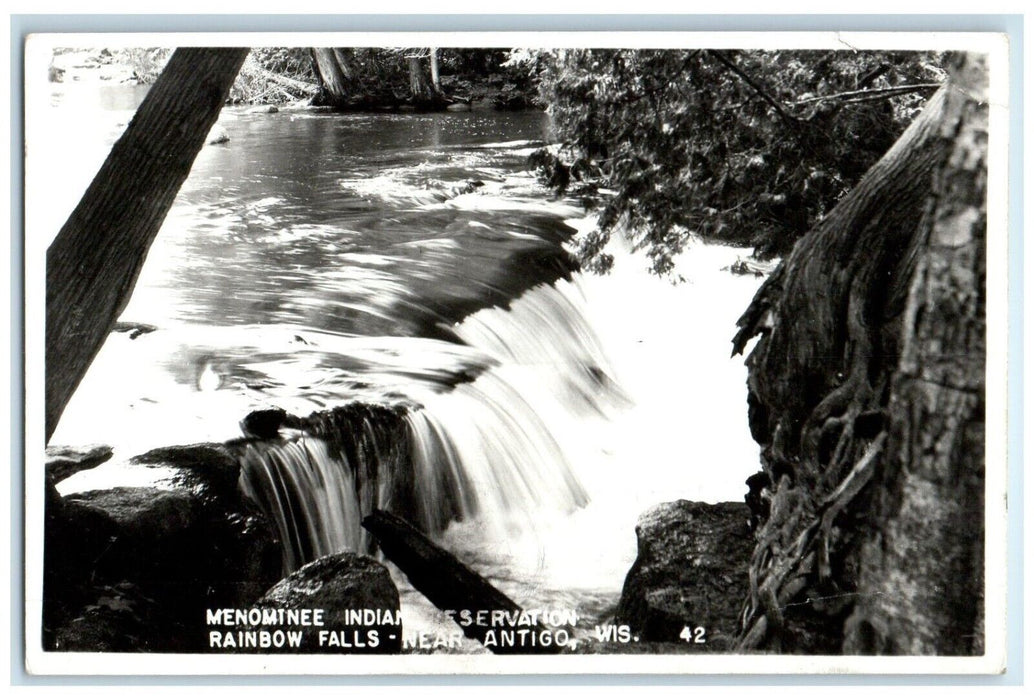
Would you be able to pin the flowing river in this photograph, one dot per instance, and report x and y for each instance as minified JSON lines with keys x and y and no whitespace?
{"x":317,"y":259}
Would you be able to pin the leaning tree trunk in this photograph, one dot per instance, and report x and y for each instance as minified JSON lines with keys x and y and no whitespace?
{"x":866,"y":395}
{"x":94,"y":261}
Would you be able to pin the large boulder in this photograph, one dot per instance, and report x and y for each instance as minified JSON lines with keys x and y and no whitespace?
{"x":75,"y":537}
{"x":689,"y":580}
{"x":351,"y":603}
{"x":188,"y":542}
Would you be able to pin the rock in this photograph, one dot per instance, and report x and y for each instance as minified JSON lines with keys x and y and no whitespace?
{"x":117,"y":619}
{"x":339,"y":584}
{"x":142,"y":512}
{"x":263,"y":109}
{"x":264,"y":424}
{"x":458,"y":107}
{"x":217,"y":135}
{"x":202,"y":468}
{"x":691,"y":571}
{"x":135,"y":330}
{"x":469,"y":186}
{"x":62,"y":462}
{"x":189,"y":542}
{"x":75,"y":538}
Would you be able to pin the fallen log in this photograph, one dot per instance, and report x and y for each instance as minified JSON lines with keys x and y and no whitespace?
{"x":292,"y":83}
{"x":452,"y":586}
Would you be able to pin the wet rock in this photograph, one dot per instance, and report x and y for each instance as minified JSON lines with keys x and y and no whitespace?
{"x":264,"y":424}
{"x":217,"y":135}
{"x":469,"y":186}
{"x":62,"y":461}
{"x":690,"y":574}
{"x":189,"y":542}
{"x":208,"y":469}
{"x":263,"y":109}
{"x":136,"y":330}
{"x":458,"y":107}
{"x":142,"y":512}
{"x":340,"y":585}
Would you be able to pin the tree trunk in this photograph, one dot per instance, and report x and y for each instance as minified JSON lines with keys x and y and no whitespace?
{"x":94,"y":261}
{"x":871,"y":440}
{"x":420,"y":87}
{"x":333,"y":73}
{"x":435,"y":80}
{"x":922,"y":563}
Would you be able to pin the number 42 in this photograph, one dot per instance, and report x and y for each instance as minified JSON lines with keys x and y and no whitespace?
{"x":696,"y":635}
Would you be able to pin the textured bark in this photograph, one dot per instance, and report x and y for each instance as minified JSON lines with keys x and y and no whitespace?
{"x":420,"y":87}
{"x":94,"y":261}
{"x":334,"y":73}
{"x":435,"y":80}
{"x":922,"y":564}
{"x":829,"y":408}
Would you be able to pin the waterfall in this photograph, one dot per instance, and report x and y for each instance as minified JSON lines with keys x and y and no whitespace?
{"x":498,"y":448}
{"x":308,"y":494}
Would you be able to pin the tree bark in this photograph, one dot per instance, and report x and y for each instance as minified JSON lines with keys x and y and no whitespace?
{"x":334,"y":74}
{"x":435,"y":80}
{"x":420,"y":87}
{"x":922,"y":563}
{"x":867,"y":460}
{"x":94,"y":261}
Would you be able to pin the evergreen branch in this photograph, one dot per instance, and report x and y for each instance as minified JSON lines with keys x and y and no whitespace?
{"x":756,"y":87}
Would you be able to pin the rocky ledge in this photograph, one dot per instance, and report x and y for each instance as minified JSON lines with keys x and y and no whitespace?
{"x":133,"y":568}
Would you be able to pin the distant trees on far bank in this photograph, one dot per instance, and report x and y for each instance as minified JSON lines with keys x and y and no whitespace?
{"x":358,"y":78}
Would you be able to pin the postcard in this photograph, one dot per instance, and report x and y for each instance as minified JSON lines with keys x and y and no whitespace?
{"x":515,"y":353}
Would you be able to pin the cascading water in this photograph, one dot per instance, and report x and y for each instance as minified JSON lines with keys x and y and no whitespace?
{"x":309,"y":495}
{"x":350,"y":268}
{"x":484,"y":449}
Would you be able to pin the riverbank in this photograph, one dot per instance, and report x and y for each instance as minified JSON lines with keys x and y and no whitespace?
{"x":293,"y":83}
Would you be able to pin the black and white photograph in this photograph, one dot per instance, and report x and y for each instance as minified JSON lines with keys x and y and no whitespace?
{"x":515,"y":353}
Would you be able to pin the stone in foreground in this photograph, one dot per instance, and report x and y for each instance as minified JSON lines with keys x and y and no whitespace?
{"x":689,"y":580}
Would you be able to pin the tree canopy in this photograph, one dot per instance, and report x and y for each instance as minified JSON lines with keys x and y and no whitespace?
{"x":747,"y":147}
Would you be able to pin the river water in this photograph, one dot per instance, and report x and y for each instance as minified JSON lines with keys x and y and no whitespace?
{"x":316,"y":259}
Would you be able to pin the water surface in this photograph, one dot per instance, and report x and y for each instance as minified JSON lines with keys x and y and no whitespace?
{"x":316,"y":259}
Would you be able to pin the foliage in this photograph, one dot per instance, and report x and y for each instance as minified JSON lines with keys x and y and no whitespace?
{"x":378,"y":76}
{"x":146,"y":63}
{"x":747,"y":147}
{"x":381,"y":76}
{"x":274,"y":75}
{"x":291,"y":62}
